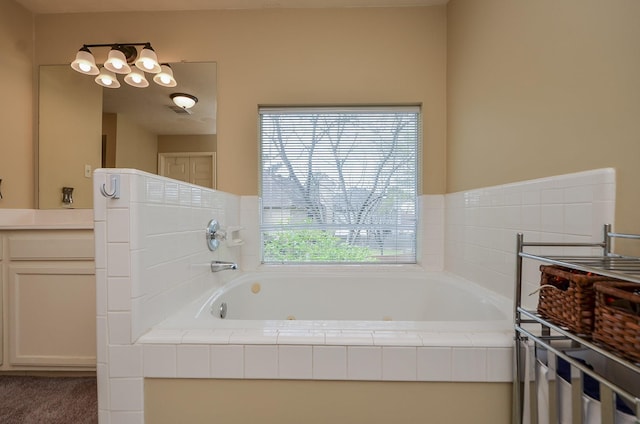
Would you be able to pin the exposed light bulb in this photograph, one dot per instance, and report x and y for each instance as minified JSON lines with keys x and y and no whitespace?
{"x":136,"y":78}
{"x":107,"y":79}
{"x":148,"y":64}
{"x":165,"y":76}
{"x":85,"y":67}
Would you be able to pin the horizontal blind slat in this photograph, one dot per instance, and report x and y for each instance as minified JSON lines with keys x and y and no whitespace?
{"x":349,"y":173}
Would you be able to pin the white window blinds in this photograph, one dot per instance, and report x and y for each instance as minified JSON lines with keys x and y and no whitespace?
{"x":339,"y":184}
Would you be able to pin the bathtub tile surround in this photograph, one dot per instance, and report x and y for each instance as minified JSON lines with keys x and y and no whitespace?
{"x":151,"y":260}
{"x":431,"y":230}
{"x":481,"y":225}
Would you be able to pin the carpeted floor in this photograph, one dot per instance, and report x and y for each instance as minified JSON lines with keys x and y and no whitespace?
{"x":50,"y":400}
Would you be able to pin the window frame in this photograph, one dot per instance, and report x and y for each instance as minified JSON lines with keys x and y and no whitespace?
{"x":415,"y":188}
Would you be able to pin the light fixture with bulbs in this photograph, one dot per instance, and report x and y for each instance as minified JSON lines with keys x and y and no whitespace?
{"x":183,"y":100}
{"x":124,"y":59}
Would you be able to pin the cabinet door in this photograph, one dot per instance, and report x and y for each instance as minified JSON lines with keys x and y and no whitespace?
{"x":52,"y":314}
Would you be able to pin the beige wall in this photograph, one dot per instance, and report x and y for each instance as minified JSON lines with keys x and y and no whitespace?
{"x":70,"y":114}
{"x":136,"y":147}
{"x":275,"y":56}
{"x":545,"y":87}
{"x":16,"y":109}
{"x":186,"y":143}
{"x":510,"y":90}
{"x":110,"y":133}
{"x":319,"y":402}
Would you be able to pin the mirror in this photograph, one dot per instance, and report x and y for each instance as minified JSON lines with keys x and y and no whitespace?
{"x":83,"y":126}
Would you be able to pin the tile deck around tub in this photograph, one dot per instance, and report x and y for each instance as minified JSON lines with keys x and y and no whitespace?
{"x":342,"y":355}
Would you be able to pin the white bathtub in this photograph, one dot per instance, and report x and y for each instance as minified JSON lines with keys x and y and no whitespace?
{"x":402,"y":325}
{"x":386,"y":300}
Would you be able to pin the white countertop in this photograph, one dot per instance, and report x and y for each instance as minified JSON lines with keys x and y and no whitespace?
{"x":46,"y":219}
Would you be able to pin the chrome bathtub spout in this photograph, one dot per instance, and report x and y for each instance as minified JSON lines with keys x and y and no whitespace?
{"x":221,"y":266}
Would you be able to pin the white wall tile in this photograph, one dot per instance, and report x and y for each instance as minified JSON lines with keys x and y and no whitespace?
{"x":125,"y":361}
{"x":579,"y":194}
{"x":552,"y":196}
{"x":300,"y":337}
{"x":160,"y":360}
{"x":295,"y":362}
{"x":480,"y":225}
{"x":118,"y":417}
{"x":126,"y":394}
{"x":399,"y":363}
{"x":330,"y":362}
{"x":101,"y":340}
{"x":499,"y":364}
{"x":118,"y":225}
{"x":102,"y":376}
{"x":364,"y":363}
{"x":260,"y":361}
{"x":193,"y":361}
{"x":578,"y":218}
{"x":434,"y":364}
{"x":104,"y":416}
{"x":118,"y":260}
{"x":227,"y":361}
{"x":469,"y":364}
{"x":101,"y":292}
{"x":119,"y":293}
{"x":119,"y":324}
{"x":350,"y":337}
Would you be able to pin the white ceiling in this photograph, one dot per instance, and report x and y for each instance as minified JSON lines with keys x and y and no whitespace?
{"x":81,"y":6}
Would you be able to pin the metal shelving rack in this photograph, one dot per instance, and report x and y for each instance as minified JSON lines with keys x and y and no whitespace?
{"x":558,"y":341}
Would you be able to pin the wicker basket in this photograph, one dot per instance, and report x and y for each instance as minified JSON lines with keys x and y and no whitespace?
{"x":617,"y":314}
{"x":567,"y":298}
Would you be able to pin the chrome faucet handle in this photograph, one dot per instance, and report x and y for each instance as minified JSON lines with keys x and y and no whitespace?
{"x":214,"y":235}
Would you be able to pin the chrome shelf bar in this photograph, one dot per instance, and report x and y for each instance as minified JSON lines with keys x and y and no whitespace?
{"x":620,"y":267}
{"x":582,"y":341}
{"x":585,"y":370}
{"x":611,"y":265}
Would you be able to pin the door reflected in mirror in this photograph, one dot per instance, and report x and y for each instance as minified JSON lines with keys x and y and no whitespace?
{"x":83,"y":126}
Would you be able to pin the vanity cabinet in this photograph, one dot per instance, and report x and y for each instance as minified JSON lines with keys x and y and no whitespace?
{"x":49,"y":313}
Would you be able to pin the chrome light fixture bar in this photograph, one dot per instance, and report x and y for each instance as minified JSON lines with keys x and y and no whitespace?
{"x":124,"y":59}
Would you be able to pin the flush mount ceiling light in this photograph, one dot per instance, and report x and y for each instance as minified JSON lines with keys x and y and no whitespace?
{"x":185,"y":101}
{"x":121,"y":60}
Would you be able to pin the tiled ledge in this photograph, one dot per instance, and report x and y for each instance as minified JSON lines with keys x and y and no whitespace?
{"x":491,"y":339}
{"x":335,"y":355}
{"x":25,"y":219}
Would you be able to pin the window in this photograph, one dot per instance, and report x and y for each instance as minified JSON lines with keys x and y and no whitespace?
{"x":339,"y":185}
